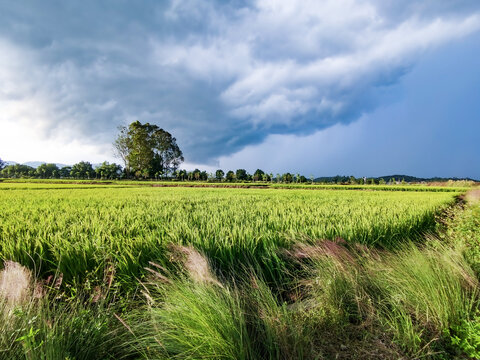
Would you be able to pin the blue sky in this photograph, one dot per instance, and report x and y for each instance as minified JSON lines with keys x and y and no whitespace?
{"x":366,"y":87}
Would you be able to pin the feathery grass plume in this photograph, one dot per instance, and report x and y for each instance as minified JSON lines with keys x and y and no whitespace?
{"x":16,"y":283}
{"x":195,"y":264}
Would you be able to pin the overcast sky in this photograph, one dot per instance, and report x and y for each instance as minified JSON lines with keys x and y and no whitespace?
{"x":365,"y":87}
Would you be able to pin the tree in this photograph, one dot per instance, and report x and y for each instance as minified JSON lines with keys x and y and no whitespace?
{"x":108,"y":171}
{"x":230,"y":176}
{"x":287,"y":177}
{"x":241,"y":174}
{"x":47,"y":171}
{"x":219,"y":174}
{"x":147,"y":150}
{"x":64,"y":172}
{"x":2,"y":164}
{"x":182,"y":174}
{"x":196,"y":174}
{"x":258,"y":175}
{"x":382,"y":181}
{"x":18,"y":171}
{"x":204,"y":176}
{"x":82,"y":170}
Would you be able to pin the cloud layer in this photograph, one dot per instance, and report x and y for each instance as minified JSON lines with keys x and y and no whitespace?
{"x":219,"y":75}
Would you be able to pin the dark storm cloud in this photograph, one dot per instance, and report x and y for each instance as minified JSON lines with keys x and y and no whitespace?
{"x":219,"y":75}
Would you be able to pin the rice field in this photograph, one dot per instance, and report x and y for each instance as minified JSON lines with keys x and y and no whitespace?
{"x":76,"y":229}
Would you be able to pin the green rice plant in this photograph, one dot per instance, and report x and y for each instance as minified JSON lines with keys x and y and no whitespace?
{"x":80,"y":230}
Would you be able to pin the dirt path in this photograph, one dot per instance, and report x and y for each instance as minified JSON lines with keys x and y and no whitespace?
{"x":473,"y":196}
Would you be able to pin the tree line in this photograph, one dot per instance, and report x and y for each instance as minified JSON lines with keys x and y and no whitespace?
{"x":112,"y":171}
{"x":149,"y":152}
{"x":81,"y":170}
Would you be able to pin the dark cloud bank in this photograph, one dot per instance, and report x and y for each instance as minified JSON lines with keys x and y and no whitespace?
{"x":219,"y":75}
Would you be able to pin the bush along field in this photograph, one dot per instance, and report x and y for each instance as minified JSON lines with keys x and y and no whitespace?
{"x":99,"y":272}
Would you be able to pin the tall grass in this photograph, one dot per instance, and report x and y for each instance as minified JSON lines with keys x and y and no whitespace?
{"x":413,"y":294}
{"x":49,"y":328}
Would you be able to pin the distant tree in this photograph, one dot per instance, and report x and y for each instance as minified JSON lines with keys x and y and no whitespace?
{"x":381,"y":181}
{"x":181,"y":175}
{"x":196,"y":174}
{"x":352,"y":180}
{"x":147,"y":150}
{"x":64,"y":172}
{"x":122,"y":146}
{"x":241,"y":174}
{"x":108,"y":171}
{"x":219,"y":174}
{"x":82,"y":170}
{"x":2,"y":164}
{"x":266,"y":177}
{"x":302,"y":179}
{"x":18,"y":171}
{"x":258,"y":175}
{"x":230,"y":176}
{"x":371,"y":181}
{"x":287,"y":177}
{"x":47,"y":171}
{"x":203,"y":176}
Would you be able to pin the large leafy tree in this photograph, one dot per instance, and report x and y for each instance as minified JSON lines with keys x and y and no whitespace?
{"x":258,"y":175}
{"x":147,"y":150}
{"x":108,"y":171}
{"x":18,"y":170}
{"x":82,"y":170}
{"x":230,"y":176}
{"x":241,"y":174}
{"x":65,"y":171}
{"x":219,"y":174}
{"x":46,"y":171}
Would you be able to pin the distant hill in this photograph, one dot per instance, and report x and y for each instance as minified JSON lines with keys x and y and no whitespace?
{"x":409,"y":178}
{"x":33,"y":164}
{"x":387,"y":178}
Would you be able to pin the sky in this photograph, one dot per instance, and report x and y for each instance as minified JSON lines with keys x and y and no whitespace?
{"x":363,"y":88}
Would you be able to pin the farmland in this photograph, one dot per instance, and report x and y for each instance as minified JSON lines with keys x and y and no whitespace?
{"x":236,"y":272}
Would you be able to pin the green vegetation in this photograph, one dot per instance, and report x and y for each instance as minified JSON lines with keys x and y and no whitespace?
{"x":123,"y":270}
{"x":76,"y":231}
